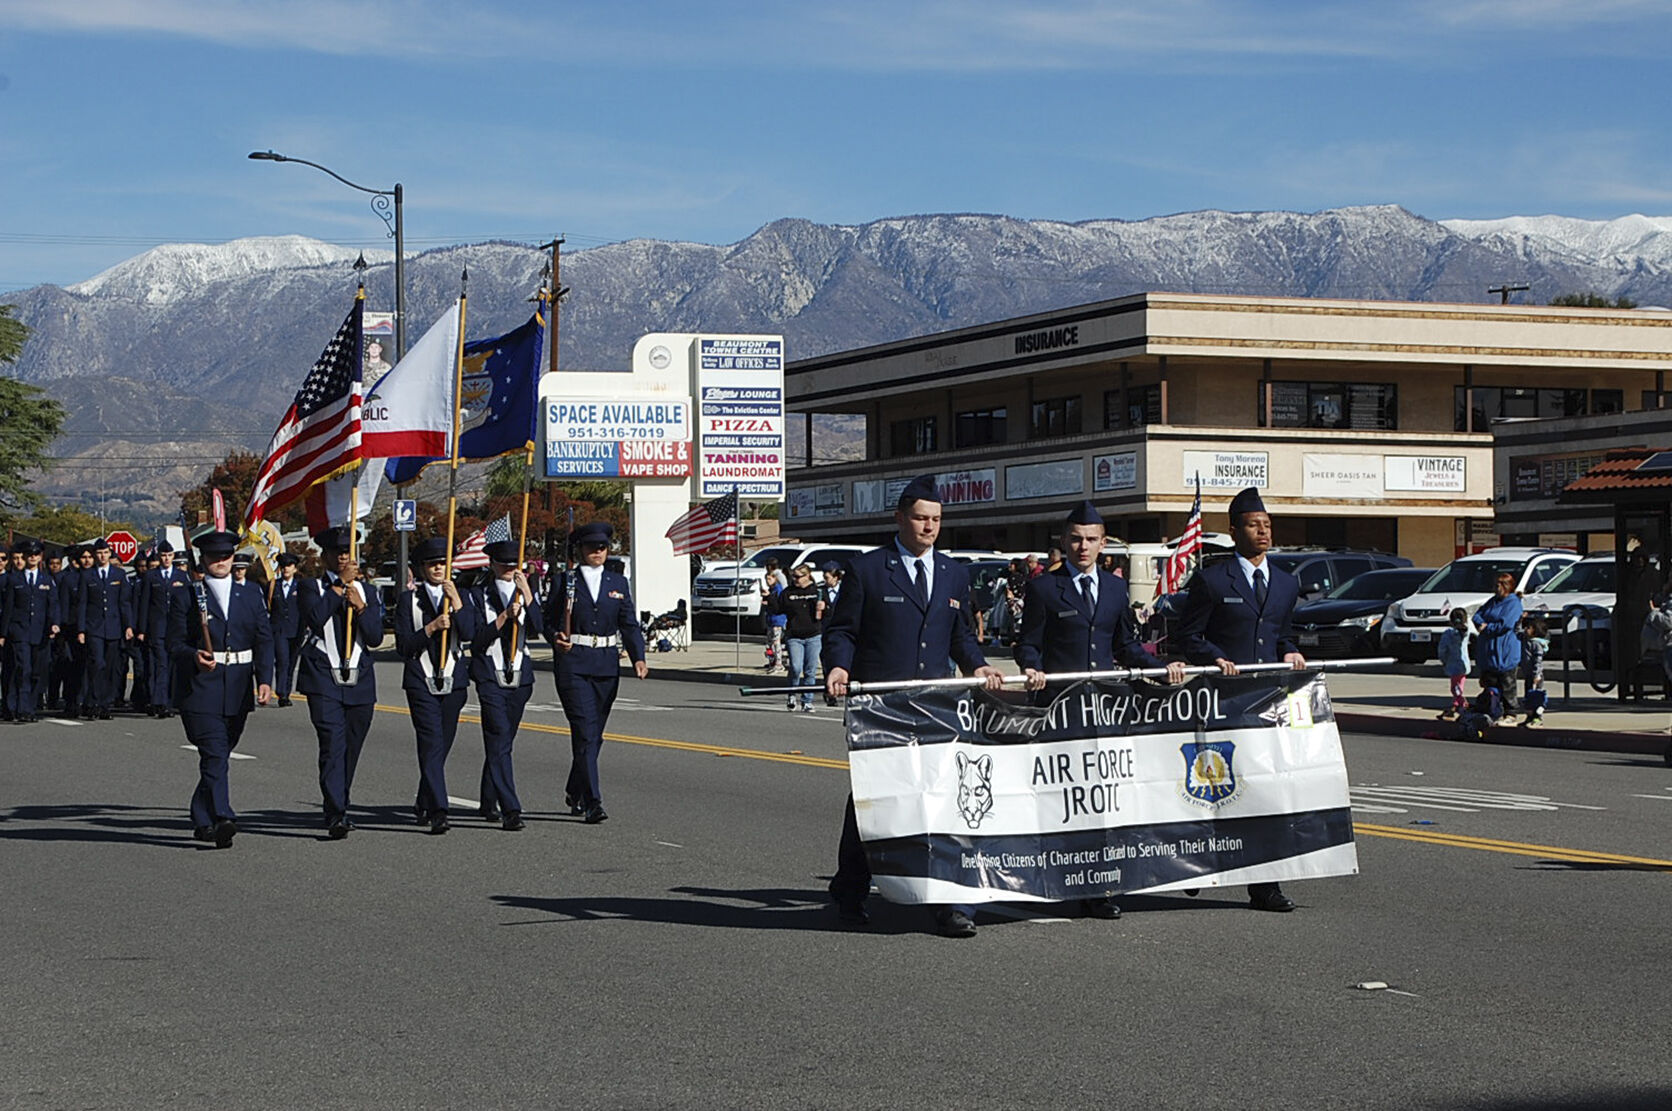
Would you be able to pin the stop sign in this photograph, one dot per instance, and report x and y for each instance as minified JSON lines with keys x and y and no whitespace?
{"x":123,"y":546}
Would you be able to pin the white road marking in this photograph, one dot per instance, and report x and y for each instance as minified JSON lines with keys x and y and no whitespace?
{"x":1663,"y":798}
{"x":1462,"y":799}
{"x":466,"y":804}
{"x":670,"y":844}
{"x":230,"y":755}
{"x":63,"y":721}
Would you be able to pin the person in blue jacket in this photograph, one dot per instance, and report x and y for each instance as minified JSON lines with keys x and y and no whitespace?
{"x":1497,"y":647}
{"x":160,"y":591}
{"x":503,"y":672}
{"x":28,"y":624}
{"x":284,"y":607}
{"x":344,"y":622}
{"x":589,"y":620}
{"x":1239,"y":610}
{"x":104,"y":622}
{"x":428,"y":615}
{"x":222,"y":668}
{"x":903,"y":613}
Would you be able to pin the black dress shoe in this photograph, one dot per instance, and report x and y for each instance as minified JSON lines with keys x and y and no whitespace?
{"x":203,"y":833}
{"x":513,"y":821}
{"x":439,"y":823}
{"x":1099,"y":908}
{"x":225,"y":830}
{"x":284,"y":700}
{"x":422,"y":816}
{"x":574,"y":805}
{"x":852,"y":912}
{"x":595,"y":814}
{"x":337,"y":830}
{"x":1269,"y":896}
{"x":954,"y":923}
{"x":104,"y":715}
{"x":488,"y":813}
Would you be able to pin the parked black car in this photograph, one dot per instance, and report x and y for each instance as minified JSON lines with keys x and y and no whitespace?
{"x":1321,"y":570}
{"x":1346,"y":622}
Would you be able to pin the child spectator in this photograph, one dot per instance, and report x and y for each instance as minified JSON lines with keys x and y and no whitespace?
{"x":772,"y":616}
{"x":1454,"y":661}
{"x":1535,"y":644}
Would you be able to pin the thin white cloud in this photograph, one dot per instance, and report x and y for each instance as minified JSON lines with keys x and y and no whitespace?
{"x":877,"y":35}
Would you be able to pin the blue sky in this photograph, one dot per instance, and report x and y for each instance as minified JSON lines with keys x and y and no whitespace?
{"x":125,"y":123}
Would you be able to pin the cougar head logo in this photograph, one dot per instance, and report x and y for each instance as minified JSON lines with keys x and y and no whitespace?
{"x":975,"y":788}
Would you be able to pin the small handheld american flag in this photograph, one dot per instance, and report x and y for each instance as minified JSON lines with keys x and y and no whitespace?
{"x":1190,"y":543}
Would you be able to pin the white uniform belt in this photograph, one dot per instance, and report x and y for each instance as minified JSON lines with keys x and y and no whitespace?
{"x":586,"y":640}
{"x":243,"y":657}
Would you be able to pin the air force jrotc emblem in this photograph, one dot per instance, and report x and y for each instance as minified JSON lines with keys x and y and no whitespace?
{"x":975,"y":788}
{"x":1208,"y":775}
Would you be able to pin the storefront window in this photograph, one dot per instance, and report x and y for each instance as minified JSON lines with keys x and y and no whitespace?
{"x":1143,"y":406}
{"x":1059,"y":416}
{"x":1371,"y":405}
{"x":980,"y":426}
{"x":913,"y":437}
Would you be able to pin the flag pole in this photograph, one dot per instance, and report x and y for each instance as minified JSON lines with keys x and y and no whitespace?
{"x":737,"y":573}
{"x":453,"y":462}
{"x":354,"y":509}
{"x":528,"y":477}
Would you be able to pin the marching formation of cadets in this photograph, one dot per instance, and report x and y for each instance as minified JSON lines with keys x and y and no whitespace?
{"x":199,"y":640}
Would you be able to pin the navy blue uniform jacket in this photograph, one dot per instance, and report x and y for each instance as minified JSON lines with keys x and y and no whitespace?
{"x":227,"y":690}
{"x":159,"y":592}
{"x":321,"y":610}
{"x":29,"y":613}
{"x":413,"y":643}
{"x":104,"y":608}
{"x":287,"y":614}
{"x":1220,"y":620}
{"x":611,"y":615}
{"x":879,"y":632}
{"x":485,"y":600}
{"x":1077,"y":642}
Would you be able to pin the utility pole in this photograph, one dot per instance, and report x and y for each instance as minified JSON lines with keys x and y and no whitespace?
{"x":1503,"y":291}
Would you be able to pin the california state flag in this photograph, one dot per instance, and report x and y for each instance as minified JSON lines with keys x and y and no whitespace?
{"x":409,"y":411}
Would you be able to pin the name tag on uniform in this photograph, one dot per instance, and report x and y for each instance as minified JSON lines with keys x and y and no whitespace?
{"x":43,"y":586}
{"x":1234,"y":600}
{"x":617,"y":595}
{"x":1067,"y":613}
{"x":893,"y":598}
{"x":954,"y":602}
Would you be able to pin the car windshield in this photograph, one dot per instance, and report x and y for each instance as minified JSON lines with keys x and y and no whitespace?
{"x":1379,"y":586}
{"x":784,"y":556}
{"x":1472,"y":576}
{"x":1589,"y":576}
{"x":1284,"y":561}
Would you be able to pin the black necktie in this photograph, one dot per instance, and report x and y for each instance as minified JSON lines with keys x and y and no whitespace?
{"x":1260,"y":589}
{"x":920,"y":579}
{"x":1085,"y":595}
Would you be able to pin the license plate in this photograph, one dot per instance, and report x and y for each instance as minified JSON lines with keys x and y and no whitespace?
{"x":1308,"y":639}
{"x":1421,"y":636}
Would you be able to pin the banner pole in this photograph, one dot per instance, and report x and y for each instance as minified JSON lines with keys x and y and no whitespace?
{"x":737,"y":575}
{"x":522,"y":528}
{"x":1077,"y":676}
{"x":453,"y":462}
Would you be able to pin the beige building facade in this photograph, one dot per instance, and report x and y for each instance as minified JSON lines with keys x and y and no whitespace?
{"x":1365,"y":424}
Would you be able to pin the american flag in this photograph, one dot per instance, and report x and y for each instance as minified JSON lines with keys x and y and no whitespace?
{"x":708,"y":524}
{"x":320,"y":433}
{"x":1190,"y":543}
{"x":471,"y":554}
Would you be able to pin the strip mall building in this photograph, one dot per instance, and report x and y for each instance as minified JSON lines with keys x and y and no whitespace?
{"x":1364,"y":423}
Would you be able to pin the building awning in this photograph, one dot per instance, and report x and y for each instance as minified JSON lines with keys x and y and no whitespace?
{"x":1634,"y":475}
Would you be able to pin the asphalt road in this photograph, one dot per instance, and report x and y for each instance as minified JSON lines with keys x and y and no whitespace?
{"x":682,"y":953}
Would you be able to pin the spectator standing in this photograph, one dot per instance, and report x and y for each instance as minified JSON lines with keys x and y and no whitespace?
{"x":801,"y":604}
{"x":1498,"y":648}
{"x":1454,"y":661}
{"x":1535,"y":645}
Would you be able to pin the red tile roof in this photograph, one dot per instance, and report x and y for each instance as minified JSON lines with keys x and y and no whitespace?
{"x":1618,"y":474}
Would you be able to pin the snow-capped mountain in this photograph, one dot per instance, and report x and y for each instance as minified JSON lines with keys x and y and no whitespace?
{"x":181,"y":270}
{"x":169,"y":359}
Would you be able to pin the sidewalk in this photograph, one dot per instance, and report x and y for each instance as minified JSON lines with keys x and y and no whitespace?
{"x":1402,"y":701}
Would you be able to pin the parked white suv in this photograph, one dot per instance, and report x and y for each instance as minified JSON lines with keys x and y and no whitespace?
{"x":1411,"y":630}
{"x":728,"y":589}
{"x":1579,"y":600}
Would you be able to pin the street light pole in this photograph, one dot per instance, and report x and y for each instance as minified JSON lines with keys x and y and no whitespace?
{"x":382,"y":201}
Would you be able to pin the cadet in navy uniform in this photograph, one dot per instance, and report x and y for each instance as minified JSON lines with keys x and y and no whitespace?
{"x":135,"y":659}
{"x":105,"y":620}
{"x":1239,"y":610}
{"x":160,"y":592}
{"x":421,"y":618}
{"x":901,"y":596}
{"x":590,"y":618}
{"x":504,"y":676}
{"x":61,"y":680}
{"x":216,"y":685}
{"x":28,"y":623}
{"x":1079,"y":618}
{"x":284,"y":604}
{"x":342,"y":691}
{"x":13,"y":562}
